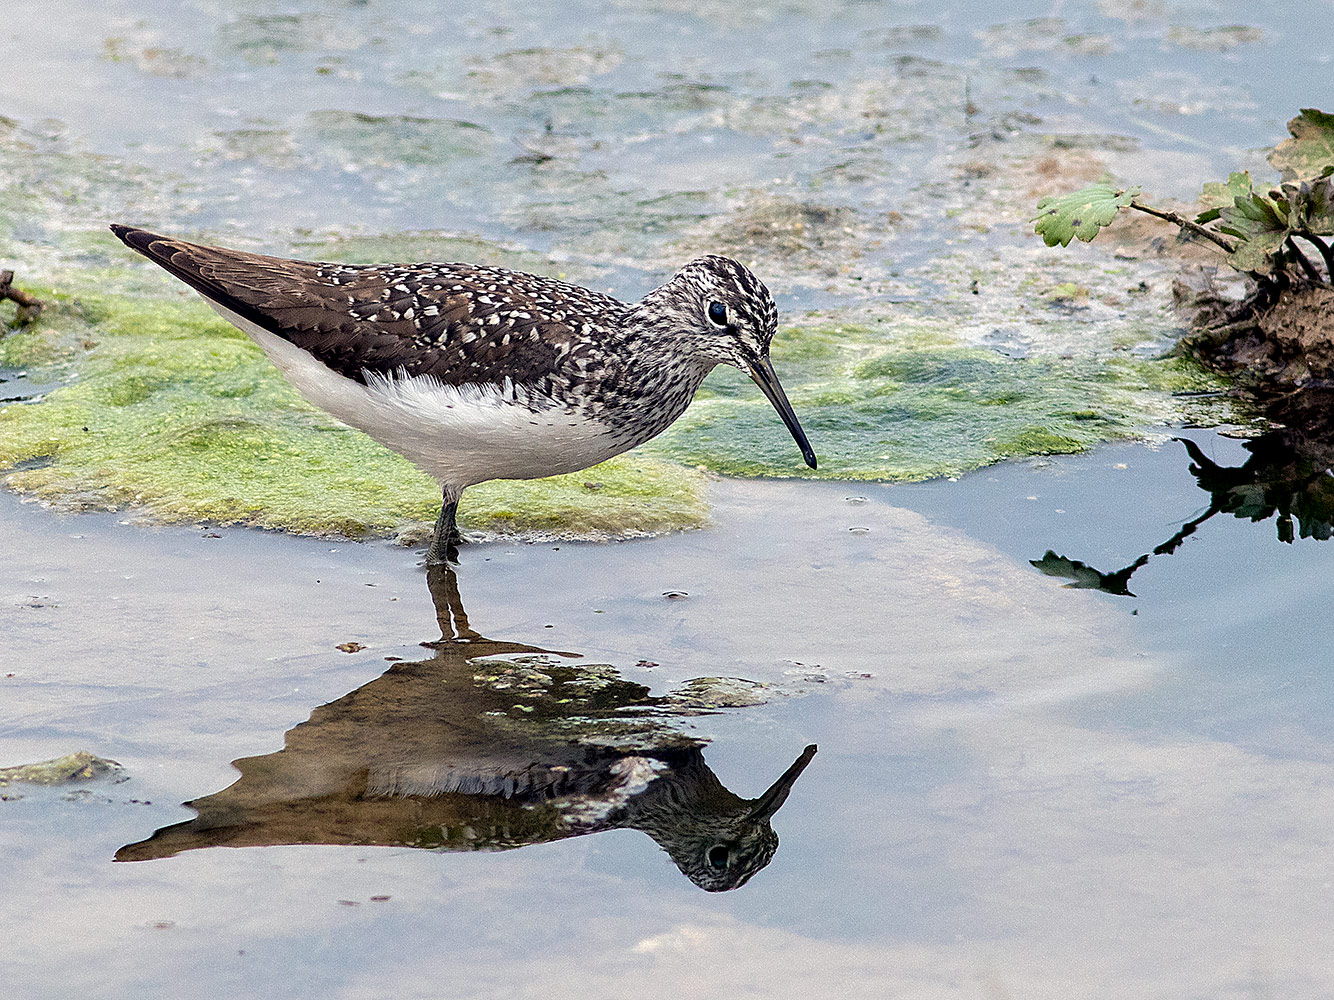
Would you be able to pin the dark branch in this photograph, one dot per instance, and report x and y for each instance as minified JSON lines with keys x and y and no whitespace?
{"x":1186,"y":224}
{"x":1325,"y":250}
{"x":1311,"y":270}
{"x":30,"y":306}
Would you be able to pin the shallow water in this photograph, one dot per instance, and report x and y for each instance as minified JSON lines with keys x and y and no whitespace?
{"x":1019,"y":787}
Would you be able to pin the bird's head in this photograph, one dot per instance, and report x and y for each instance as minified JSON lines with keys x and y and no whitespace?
{"x":718,"y":312}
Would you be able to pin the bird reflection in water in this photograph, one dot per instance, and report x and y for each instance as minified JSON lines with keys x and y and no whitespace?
{"x":1288,"y":477}
{"x":490,"y":745}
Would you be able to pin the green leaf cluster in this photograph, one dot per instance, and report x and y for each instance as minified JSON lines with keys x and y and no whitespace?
{"x":1257,"y":229}
{"x":1259,"y":223}
{"x":1264,"y":224}
{"x":1215,"y":196}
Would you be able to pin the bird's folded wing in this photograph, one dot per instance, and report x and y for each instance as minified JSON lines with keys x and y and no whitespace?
{"x":457,"y":322}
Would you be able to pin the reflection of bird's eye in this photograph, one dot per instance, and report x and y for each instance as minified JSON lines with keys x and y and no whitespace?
{"x":718,"y":313}
{"x":718,"y":856}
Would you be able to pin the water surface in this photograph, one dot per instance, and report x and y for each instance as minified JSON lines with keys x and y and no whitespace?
{"x":1009,"y":774}
{"x":1021,"y":789}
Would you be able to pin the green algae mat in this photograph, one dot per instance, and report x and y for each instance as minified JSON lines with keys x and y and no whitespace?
{"x":904,"y":401}
{"x":160,"y":407}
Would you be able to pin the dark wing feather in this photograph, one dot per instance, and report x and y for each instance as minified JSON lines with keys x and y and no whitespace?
{"x":460,"y":323}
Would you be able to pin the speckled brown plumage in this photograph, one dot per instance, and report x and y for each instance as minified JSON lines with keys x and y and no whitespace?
{"x":476,"y":372}
{"x":459,"y":323}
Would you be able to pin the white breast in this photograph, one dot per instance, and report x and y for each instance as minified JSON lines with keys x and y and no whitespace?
{"x":460,"y":435}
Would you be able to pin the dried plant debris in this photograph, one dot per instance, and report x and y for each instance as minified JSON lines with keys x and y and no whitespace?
{"x":1290,"y":342}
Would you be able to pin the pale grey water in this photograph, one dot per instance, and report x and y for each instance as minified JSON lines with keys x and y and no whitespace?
{"x":1034,"y":793}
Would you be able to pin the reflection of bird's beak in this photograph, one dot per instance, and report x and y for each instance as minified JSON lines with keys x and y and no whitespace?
{"x":762,"y":371}
{"x":772,"y":800}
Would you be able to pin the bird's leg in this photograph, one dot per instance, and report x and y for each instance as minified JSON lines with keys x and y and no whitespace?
{"x":445,"y":541}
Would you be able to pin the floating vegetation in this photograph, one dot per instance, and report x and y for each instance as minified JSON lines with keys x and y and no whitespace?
{"x":905,"y":403}
{"x":1223,"y":39}
{"x":1049,"y":35}
{"x":521,"y":69}
{"x":66,"y":770}
{"x":153,"y":59}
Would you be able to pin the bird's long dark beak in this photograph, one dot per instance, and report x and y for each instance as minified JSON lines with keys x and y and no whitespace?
{"x":772,"y":800}
{"x":762,"y":371}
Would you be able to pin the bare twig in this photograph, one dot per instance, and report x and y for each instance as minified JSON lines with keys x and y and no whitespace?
{"x":30,"y":306}
{"x":1186,"y":224}
{"x":1311,"y":270}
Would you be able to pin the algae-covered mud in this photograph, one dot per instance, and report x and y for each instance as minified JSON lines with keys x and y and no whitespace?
{"x":70,"y":769}
{"x":874,"y":165}
{"x":169,"y":412}
{"x":162,"y":408}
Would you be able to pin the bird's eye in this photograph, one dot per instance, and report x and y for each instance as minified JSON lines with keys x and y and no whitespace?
{"x":718,"y":313}
{"x":718,"y":856}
